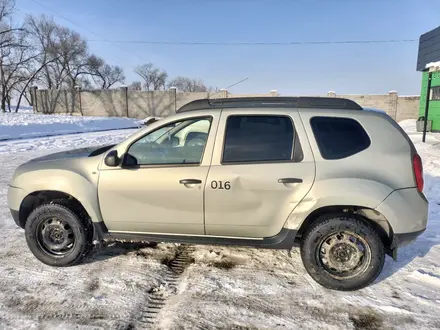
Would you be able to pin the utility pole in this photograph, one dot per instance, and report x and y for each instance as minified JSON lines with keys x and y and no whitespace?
{"x":428,"y":95}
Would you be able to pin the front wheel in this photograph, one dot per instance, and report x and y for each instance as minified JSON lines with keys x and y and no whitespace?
{"x":57,"y":236}
{"x":342,"y":252}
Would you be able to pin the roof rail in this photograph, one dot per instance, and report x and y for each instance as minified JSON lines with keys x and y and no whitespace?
{"x":272,"y":102}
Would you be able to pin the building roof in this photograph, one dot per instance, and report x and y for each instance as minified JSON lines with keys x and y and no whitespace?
{"x":429,"y":49}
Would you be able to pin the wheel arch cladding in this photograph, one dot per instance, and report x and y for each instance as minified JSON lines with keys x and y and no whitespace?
{"x":37,"y":198}
{"x":373,"y":217}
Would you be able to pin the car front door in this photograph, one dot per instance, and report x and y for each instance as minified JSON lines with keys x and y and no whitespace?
{"x":159,"y":187}
{"x":262,"y":167}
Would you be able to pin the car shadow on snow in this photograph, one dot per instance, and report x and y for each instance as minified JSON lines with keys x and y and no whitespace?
{"x":424,"y":243}
{"x":112,"y":249}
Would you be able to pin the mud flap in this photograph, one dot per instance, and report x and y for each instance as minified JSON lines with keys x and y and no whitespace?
{"x":392,"y":253}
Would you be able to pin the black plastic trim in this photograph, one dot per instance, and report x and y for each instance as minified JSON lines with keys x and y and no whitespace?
{"x":400,"y":240}
{"x":284,"y":240}
{"x":16,"y":216}
{"x":99,"y":231}
{"x":271,"y":102}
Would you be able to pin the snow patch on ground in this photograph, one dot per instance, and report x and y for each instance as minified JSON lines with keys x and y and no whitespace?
{"x":29,"y":125}
{"x":409,"y":125}
{"x":64,"y":142}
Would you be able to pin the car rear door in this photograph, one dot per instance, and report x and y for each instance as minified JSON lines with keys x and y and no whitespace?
{"x":262,"y":167}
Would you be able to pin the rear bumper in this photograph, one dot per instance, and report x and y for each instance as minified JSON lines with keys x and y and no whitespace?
{"x":406,"y":211}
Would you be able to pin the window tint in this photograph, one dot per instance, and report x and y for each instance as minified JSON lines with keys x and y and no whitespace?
{"x":435,"y":94}
{"x":177,"y":143}
{"x":258,"y":139}
{"x":339,"y":137}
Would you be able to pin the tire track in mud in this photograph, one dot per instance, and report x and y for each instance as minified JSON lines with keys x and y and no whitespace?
{"x":156,"y":297}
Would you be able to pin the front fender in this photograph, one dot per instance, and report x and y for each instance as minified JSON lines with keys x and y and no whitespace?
{"x":69,"y":182}
{"x":338,"y":192}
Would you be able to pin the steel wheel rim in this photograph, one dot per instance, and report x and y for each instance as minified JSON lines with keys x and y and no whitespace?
{"x":55,"y":236}
{"x":344,"y":254}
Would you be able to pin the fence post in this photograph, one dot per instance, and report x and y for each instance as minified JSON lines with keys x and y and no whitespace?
{"x":173,"y":91}
{"x":124,"y":90}
{"x":273,"y":92}
{"x":393,"y":99}
{"x":34,"y":98}
{"x":331,"y":94}
{"x":78,"y":90}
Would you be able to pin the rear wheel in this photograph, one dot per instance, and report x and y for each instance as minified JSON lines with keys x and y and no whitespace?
{"x":57,"y":236}
{"x":342,"y":252}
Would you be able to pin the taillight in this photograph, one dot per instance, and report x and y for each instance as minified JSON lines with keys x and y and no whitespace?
{"x":418,"y":171}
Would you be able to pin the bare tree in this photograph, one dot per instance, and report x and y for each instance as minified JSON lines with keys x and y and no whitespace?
{"x":16,"y":62}
{"x":105,"y":75}
{"x":12,"y":52}
{"x":65,"y":58}
{"x":135,"y":86}
{"x":153,"y":78}
{"x":7,"y":29}
{"x":188,"y":85}
{"x":43,"y":31}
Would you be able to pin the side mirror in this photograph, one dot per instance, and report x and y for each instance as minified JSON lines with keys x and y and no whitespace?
{"x":112,"y":159}
{"x":174,"y":141}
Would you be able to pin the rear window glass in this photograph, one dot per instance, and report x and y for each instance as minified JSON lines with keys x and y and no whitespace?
{"x":258,"y":139}
{"x":339,"y":137}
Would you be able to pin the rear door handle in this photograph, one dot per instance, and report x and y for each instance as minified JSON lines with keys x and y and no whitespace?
{"x":190,"y":181}
{"x":290,"y":180}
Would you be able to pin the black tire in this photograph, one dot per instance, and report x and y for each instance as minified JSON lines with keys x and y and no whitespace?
{"x":58,"y":215}
{"x":322,"y":245}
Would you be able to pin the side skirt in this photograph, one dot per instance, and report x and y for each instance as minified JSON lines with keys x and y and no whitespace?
{"x":284,"y":240}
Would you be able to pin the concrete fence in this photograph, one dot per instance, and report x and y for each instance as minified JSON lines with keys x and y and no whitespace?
{"x":141,"y":104}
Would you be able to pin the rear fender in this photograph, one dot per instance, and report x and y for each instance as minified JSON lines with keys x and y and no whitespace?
{"x":336,"y":192}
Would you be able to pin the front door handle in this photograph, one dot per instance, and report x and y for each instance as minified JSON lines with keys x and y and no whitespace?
{"x":290,"y":180}
{"x":190,"y":181}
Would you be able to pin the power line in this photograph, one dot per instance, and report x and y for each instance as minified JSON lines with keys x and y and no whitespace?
{"x":83,"y":27}
{"x":258,"y":43}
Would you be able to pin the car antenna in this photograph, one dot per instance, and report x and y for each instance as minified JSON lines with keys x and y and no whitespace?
{"x":235,"y":84}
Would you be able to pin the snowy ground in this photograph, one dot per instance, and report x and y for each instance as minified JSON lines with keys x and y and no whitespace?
{"x":262,"y":289}
{"x":28,"y":125}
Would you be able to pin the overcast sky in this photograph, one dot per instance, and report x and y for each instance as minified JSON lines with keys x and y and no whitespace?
{"x":372,"y":68}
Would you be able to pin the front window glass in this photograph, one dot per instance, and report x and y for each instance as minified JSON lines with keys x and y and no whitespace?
{"x":178,"y":143}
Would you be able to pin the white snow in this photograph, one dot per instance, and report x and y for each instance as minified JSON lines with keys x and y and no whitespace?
{"x":266,"y":289}
{"x":432,"y":65}
{"x":28,"y":125}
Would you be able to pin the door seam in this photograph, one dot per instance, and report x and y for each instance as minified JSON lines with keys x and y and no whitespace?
{"x":207,"y":173}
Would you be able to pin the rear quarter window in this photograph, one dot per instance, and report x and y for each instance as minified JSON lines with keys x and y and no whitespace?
{"x":339,"y":138}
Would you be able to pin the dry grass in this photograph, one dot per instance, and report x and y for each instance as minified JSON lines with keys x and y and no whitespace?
{"x":93,"y":285}
{"x":368,"y":320}
{"x":224,"y":264}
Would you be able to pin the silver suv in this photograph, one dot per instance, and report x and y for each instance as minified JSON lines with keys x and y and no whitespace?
{"x":344,"y":183}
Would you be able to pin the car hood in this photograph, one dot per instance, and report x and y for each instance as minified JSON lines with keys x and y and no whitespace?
{"x":75,"y":153}
{"x":82,"y":161}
